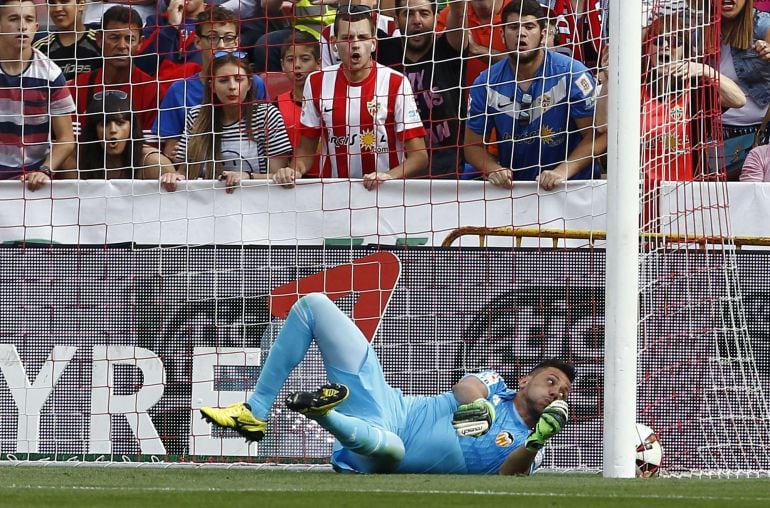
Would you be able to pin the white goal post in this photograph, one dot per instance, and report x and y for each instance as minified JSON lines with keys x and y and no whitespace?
{"x":622,"y":283}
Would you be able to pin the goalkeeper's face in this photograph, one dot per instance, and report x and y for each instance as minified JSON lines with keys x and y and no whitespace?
{"x":543,"y":386}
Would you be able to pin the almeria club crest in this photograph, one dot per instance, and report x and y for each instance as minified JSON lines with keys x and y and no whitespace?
{"x":373,"y":107}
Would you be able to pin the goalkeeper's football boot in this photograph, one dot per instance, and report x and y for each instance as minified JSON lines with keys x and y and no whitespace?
{"x":319,"y":402}
{"x":237,"y":417}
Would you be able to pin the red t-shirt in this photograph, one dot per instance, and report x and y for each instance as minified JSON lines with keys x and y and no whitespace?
{"x":666,"y":138}
{"x":144,"y":90}
{"x":291,"y":112}
{"x":580,"y":32}
{"x":483,"y":34}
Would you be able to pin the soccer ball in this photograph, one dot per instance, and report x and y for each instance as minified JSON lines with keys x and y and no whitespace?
{"x":649,"y":453}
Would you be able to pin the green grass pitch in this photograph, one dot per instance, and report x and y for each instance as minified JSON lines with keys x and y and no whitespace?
{"x":114,"y":487}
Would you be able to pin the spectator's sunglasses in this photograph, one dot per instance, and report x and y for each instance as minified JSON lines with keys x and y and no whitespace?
{"x":524,"y":106}
{"x":119,"y":94}
{"x":674,"y":41}
{"x":237,"y":54}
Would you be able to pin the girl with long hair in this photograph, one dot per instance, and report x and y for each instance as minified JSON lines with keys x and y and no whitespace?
{"x":745,"y":58}
{"x":679,"y":95}
{"x":112,"y":144}
{"x":230,"y":136}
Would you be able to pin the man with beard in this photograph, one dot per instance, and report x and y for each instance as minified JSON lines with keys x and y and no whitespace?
{"x":480,"y":426}
{"x":540,"y":105}
{"x":435,"y":70}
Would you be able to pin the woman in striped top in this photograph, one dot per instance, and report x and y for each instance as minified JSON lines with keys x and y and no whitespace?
{"x":230,"y":137}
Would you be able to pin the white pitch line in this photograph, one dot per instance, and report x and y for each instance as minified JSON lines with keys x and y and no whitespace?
{"x":377,"y":491}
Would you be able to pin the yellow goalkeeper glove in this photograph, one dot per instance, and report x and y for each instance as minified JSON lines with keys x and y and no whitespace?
{"x":474,"y":419}
{"x":551,"y":422}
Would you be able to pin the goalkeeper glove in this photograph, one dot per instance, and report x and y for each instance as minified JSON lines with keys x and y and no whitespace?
{"x":474,"y":419}
{"x":551,"y":422}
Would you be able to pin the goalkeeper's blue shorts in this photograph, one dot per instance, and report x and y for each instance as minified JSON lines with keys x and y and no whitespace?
{"x":371,"y":398}
{"x":424,"y":424}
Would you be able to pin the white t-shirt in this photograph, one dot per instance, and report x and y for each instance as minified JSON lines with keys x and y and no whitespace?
{"x":239,"y":153}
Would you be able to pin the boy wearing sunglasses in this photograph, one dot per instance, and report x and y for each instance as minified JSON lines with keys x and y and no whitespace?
{"x":35,"y":103}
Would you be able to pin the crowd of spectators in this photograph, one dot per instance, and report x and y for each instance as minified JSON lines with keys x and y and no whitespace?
{"x":501,"y":90}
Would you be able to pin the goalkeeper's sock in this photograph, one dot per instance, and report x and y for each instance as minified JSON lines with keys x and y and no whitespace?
{"x":289,"y":349}
{"x":364,"y":439}
{"x":313,"y":317}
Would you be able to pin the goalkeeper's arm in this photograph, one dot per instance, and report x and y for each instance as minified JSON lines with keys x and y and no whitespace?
{"x":468,"y":389}
{"x":551,"y":422}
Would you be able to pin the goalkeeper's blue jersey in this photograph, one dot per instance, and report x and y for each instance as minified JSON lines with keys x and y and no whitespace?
{"x":433,"y":446}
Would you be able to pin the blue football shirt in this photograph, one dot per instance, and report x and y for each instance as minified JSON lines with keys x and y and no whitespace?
{"x":534,"y":129}
{"x":433,"y":446}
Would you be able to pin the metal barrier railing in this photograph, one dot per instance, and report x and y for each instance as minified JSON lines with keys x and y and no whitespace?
{"x":591,"y":236}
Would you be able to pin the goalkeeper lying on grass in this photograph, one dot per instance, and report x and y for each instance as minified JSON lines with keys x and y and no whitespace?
{"x":478,"y":427}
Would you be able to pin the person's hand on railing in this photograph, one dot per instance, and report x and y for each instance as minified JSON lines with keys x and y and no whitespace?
{"x":168,"y":181}
{"x":286,"y":176}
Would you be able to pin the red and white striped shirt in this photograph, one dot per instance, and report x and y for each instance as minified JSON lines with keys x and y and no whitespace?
{"x":364,"y":125}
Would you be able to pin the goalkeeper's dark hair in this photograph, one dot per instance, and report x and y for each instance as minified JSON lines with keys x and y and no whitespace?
{"x":567,"y":368}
